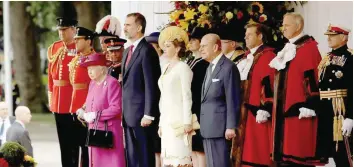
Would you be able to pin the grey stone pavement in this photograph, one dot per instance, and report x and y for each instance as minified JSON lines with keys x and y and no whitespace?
{"x":45,"y":142}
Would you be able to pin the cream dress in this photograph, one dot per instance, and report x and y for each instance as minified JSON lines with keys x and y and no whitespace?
{"x":175,"y":106}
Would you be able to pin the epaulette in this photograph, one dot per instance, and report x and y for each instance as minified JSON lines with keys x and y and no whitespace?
{"x":350,"y":50}
{"x":49,"y":51}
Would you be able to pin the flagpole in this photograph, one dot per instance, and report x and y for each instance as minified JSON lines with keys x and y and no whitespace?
{"x":7,"y":56}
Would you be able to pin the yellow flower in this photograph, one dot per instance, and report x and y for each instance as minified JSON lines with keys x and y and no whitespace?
{"x":260,"y":6}
{"x":203,"y":20}
{"x":189,"y":14}
{"x":202,"y":8}
{"x":229,"y":15}
{"x":29,"y":159}
{"x":184,"y":25}
{"x":175,"y":14}
{"x":251,"y":21}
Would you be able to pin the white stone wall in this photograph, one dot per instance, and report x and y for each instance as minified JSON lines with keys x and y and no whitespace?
{"x":149,"y":9}
{"x":318,"y":15}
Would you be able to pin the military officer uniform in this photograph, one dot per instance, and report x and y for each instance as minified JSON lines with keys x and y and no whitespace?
{"x":115,"y":44}
{"x":60,"y":92}
{"x":336,"y":97}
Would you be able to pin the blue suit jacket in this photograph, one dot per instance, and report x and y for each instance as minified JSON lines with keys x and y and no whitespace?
{"x":141,"y":94}
{"x":221,"y":101}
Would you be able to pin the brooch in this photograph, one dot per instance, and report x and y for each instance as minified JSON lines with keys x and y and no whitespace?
{"x":104,"y":83}
{"x":339,"y":74}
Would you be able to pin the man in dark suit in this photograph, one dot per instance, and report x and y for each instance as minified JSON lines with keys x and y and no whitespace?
{"x":17,"y":132}
{"x":141,"y":71}
{"x":220,"y":102}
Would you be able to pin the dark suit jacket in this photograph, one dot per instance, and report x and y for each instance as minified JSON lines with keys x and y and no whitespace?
{"x":221,"y":101}
{"x":141,"y":94}
{"x":199,"y":70}
{"x":17,"y":133}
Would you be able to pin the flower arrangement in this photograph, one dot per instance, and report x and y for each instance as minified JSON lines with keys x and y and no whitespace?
{"x":12,"y":154}
{"x":215,"y":15}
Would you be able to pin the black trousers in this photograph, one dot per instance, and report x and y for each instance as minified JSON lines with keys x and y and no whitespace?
{"x":139,"y":148}
{"x":340,"y":157}
{"x":72,"y":137}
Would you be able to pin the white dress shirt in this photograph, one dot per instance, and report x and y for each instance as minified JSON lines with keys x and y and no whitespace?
{"x":6,"y":127}
{"x":215,"y":61}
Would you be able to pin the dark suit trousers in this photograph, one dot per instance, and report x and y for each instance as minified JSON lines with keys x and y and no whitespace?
{"x":139,"y":147}
{"x":217,"y":152}
{"x":72,"y":137}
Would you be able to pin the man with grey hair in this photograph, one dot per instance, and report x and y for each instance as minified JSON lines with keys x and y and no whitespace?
{"x":5,"y":121}
{"x":220,"y":103}
{"x":18,"y":132}
{"x":296,"y":98}
{"x":336,"y":93}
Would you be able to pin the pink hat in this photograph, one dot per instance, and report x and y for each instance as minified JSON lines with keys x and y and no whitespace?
{"x":96,"y":59}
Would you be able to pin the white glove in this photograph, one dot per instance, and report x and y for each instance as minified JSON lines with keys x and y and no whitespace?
{"x":262,"y":116}
{"x":90,"y":116}
{"x":347,"y":127}
{"x":80,"y":113}
{"x":306,"y":113}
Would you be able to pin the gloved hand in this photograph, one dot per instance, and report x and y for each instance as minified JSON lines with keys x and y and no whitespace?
{"x":306,"y":113}
{"x":80,"y":113}
{"x":90,"y":117}
{"x":347,"y":127}
{"x":262,"y":116}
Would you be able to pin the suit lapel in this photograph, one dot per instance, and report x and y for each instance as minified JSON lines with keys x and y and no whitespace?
{"x":125,"y":54}
{"x":133,"y":58}
{"x":216,"y":71}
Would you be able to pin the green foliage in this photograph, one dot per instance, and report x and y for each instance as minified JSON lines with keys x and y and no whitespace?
{"x":14,"y":153}
{"x":44,"y":16}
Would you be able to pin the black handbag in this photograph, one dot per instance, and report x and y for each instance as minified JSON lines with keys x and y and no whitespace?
{"x":99,"y":138}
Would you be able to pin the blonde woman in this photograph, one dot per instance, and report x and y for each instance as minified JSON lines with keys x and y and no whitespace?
{"x":176,"y":100}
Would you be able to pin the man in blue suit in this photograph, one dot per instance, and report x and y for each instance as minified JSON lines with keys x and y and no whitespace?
{"x":141,"y":71}
{"x":220,"y":102}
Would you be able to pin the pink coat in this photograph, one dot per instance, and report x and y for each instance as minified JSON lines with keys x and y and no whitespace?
{"x":107,"y":98}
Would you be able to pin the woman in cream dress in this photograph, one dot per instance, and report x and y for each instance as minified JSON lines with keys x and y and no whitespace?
{"x":176,"y":100}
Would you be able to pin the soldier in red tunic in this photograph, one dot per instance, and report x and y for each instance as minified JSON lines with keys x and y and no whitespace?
{"x":257,"y":83}
{"x":80,"y":81}
{"x":296,"y":97}
{"x":60,"y":53}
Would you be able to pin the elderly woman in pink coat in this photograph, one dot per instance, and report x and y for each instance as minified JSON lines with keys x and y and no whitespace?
{"x":104,"y":96}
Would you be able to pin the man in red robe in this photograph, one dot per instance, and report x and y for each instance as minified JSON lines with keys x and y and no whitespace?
{"x":296,"y":97}
{"x":257,"y":83}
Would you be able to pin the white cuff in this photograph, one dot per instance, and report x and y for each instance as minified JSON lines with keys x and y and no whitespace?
{"x":149,"y":117}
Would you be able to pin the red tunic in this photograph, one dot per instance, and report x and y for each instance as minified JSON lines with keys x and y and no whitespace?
{"x":296,"y":87}
{"x":59,"y":85}
{"x":80,"y":81}
{"x":256,"y":148}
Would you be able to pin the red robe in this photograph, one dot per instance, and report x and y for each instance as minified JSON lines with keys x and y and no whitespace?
{"x":296,"y":86}
{"x":80,"y":81}
{"x":60,"y":89}
{"x":256,"y":147}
